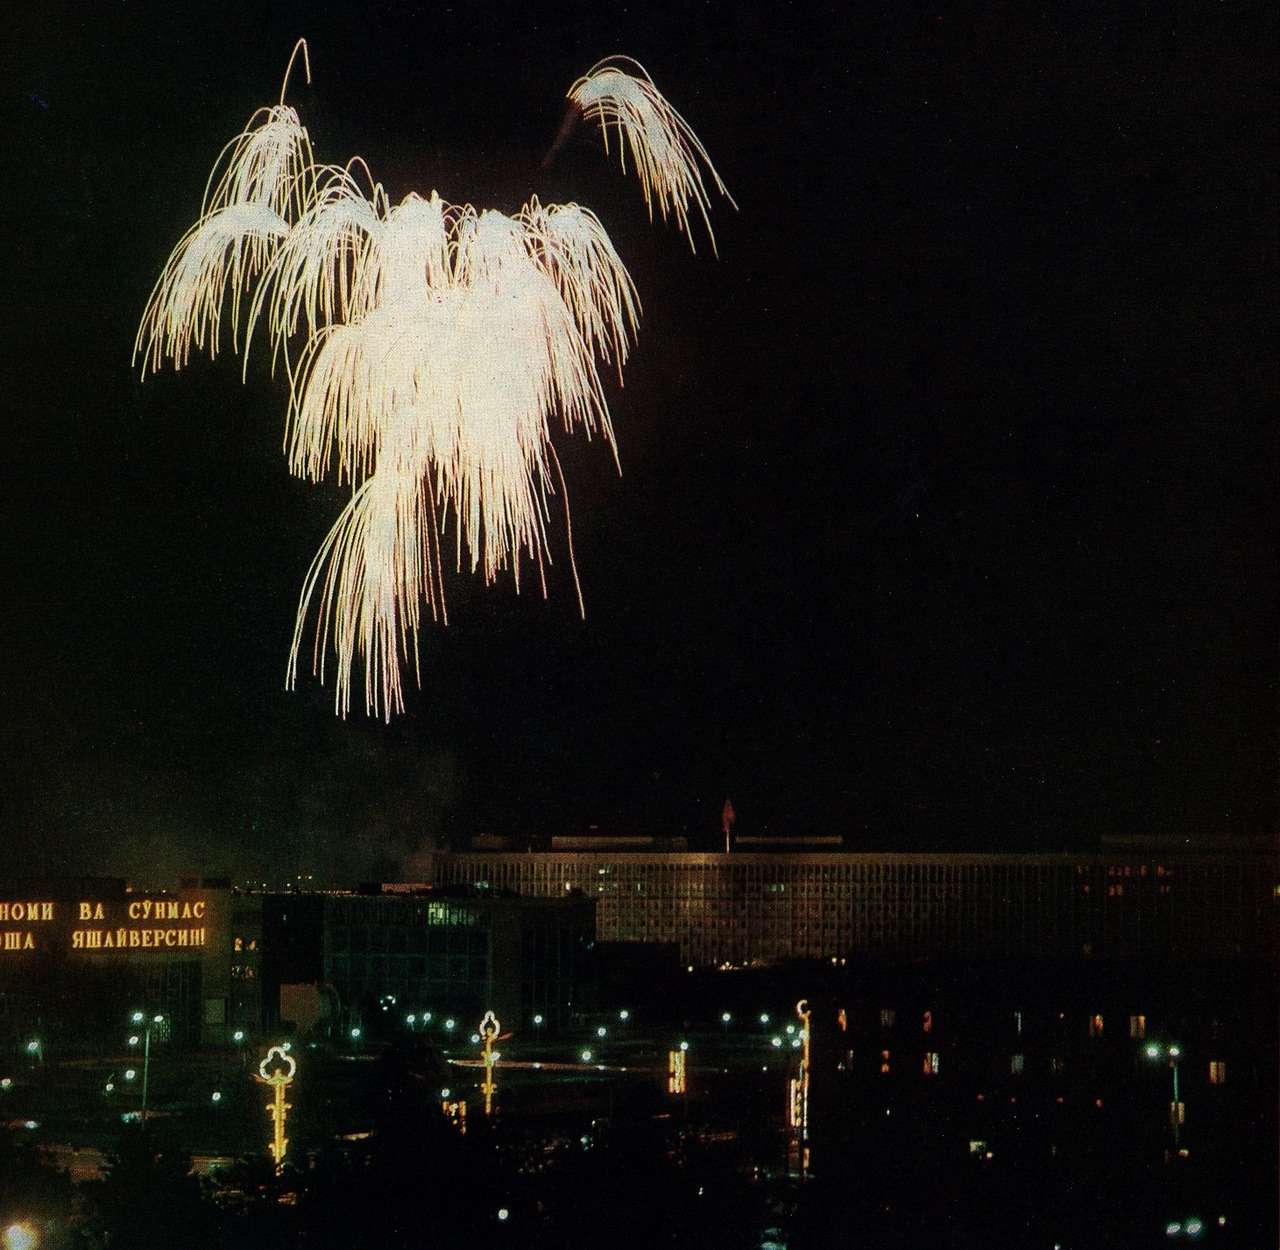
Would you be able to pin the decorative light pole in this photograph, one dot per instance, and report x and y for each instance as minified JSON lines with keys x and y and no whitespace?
{"x":676,"y":1081}
{"x":490,"y":1027}
{"x":1173,"y":1054}
{"x":798,"y":1102}
{"x":276,"y":1070}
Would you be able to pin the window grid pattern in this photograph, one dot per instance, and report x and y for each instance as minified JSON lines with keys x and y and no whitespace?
{"x":754,"y":908}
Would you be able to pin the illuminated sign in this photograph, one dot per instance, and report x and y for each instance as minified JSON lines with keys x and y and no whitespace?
{"x":136,"y":939}
{"x":133,"y":924}
{"x":15,"y":913}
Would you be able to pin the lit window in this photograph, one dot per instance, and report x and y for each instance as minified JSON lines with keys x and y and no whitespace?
{"x":239,"y":944}
{"x":1055,"y":1064}
{"x":1137,"y":1026}
{"x":886,"y":1017}
{"x":1016,"y":1064}
{"x":931,"y":1063}
{"x":928,"y":1022}
{"x":884,"y":1063}
{"x":1217,"y":1073}
{"x":1095,"y":1026}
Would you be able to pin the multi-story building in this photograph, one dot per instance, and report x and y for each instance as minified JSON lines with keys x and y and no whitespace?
{"x":455,"y":951}
{"x":79,"y":955}
{"x":753,"y":908}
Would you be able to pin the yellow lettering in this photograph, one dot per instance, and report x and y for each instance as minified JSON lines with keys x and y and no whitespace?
{"x":77,"y":940}
{"x":29,"y":944}
{"x":4,"y":912}
{"x":46,"y":911}
{"x":197,"y":938}
{"x":135,"y":938}
{"x":122,"y":938}
{"x":95,"y":939}
{"x":11,"y":941}
{"x":86,"y":911}
{"x":133,"y":910}
{"x":184,"y":936}
{"x":146,"y":937}
{"x":197,"y":910}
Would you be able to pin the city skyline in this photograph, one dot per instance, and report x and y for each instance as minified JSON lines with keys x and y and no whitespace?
{"x":946,"y":512}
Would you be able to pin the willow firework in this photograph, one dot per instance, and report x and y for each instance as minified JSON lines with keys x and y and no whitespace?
{"x":430,"y":348}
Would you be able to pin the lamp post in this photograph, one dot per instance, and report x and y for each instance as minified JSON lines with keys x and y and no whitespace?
{"x":489,"y":1030}
{"x":1172,"y":1054}
{"x":798,"y":1103}
{"x":155,"y":1021}
{"x":276,"y":1071}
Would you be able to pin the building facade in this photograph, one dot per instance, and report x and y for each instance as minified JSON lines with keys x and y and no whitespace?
{"x":758,"y":908}
{"x":448,"y":951}
{"x":79,"y":955}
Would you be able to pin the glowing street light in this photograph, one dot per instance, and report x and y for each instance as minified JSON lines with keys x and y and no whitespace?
{"x":20,"y":1236}
{"x":1171,"y":1054}
{"x":156,"y":1023}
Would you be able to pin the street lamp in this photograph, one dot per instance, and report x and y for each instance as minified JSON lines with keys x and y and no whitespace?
{"x":154,"y":1023}
{"x":20,"y":1237}
{"x":1172,"y":1054}
{"x":36,"y":1047}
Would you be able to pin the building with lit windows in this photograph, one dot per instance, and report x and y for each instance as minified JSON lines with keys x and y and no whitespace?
{"x":758,"y":908}
{"x":79,"y":955}
{"x":449,"y":951}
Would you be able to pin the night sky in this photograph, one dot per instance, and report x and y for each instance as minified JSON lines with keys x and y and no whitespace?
{"x":946,"y":518}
